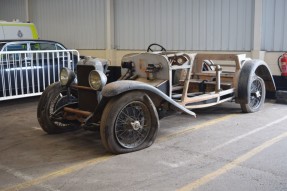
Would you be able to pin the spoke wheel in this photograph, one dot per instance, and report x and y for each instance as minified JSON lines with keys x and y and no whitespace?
{"x":51,"y":99}
{"x":129,"y":123}
{"x":132,"y":125}
{"x":256,"y":95}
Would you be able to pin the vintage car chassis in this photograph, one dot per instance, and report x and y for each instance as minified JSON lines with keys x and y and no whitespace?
{"x":127,"y":110}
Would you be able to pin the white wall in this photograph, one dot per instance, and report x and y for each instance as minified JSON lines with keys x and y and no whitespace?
{"x":12,"y":9}
{"x":76,"y":23}
{"x":184,"y":24}
{"x":274,"y":25}
{"x":189,"y":25}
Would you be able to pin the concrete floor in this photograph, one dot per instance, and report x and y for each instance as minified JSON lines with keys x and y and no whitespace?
{"x":222,"y":149}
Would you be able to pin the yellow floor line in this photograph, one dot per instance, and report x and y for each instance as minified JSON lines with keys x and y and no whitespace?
{"x":194,"y":127}
{"x":76,"y":167}
{"x":58,"y":173}
{"x":205,"y":179}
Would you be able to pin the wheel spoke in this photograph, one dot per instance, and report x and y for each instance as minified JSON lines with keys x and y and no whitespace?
{"x":123,"y":121}
{"x":126,"y":113}
{"x":141,"y":134}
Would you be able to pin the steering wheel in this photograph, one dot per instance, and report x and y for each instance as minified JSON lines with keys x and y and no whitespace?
{"x":149,"y":49}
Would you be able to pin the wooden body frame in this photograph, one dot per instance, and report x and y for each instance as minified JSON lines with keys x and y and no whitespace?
{"x":220,"y":85}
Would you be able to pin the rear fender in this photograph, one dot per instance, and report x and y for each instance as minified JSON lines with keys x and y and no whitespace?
{"x":122,"y":86}
{"x":249,"y":69}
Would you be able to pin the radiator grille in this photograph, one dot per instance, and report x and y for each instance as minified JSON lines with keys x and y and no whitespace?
{"x":87,"y":98}
{"x":83,"y":72}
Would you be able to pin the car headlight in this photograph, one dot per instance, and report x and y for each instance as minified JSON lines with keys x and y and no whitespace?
{"x":67,"y":76}
{"x":97,"y":80}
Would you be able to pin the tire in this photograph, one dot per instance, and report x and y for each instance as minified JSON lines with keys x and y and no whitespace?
{"x":122,"y":129}
{"x":51,"y":99}
{"x":256,"y":89}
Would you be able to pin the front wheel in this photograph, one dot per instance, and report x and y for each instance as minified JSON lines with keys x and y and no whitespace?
{"x":256,"y":95}
{"x":54,"y":97}
{"x":129,"y":123}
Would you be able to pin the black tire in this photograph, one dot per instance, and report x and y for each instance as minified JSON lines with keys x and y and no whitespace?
{"x":122,"y":128}
{"x":52,"y":98}
{"x":256,"y":99}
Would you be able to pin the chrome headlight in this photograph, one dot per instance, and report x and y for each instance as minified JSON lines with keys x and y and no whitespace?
{"x":67,"y":76}
{"x":97,"y":79}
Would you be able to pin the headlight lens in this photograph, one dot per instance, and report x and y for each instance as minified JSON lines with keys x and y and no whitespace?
{"x":67,"y":76}
{"x":97,"y":80}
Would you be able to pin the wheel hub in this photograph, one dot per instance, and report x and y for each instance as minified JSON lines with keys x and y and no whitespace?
{"x":136,"y":125}
{"x":257,"y":94}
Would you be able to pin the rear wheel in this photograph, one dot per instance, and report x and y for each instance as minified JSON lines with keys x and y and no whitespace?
{"x":129,"y":123}
{"x":51,"y":99}
{"x":256,"y":95}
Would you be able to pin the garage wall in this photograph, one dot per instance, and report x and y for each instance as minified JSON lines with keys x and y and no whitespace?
{"x":191,"y":25}
{"x":184,"y":24}
{"x":178,"y":25}
{"x":12,"y":9}
{"x":274,"y":25}
{"x":76,"y":23}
